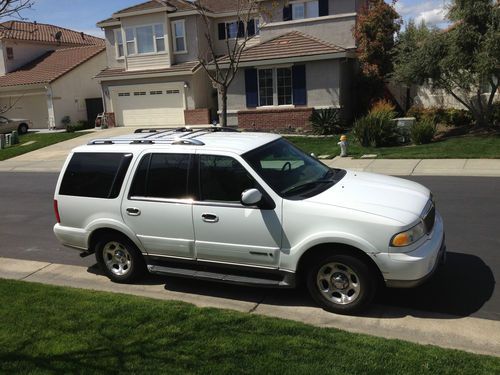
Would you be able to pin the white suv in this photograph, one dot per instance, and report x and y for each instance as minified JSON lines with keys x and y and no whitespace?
{"x":245,"y":208}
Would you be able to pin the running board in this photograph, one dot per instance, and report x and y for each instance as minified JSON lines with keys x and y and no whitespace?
{"x":288,"y":281}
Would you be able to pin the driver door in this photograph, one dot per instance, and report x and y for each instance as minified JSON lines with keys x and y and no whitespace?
{"x":225,"y":230}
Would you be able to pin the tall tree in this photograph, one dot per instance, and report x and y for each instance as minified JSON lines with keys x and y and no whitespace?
{"x":463,"y":60}
{"x":223,"y":74}
{"x":13,"y":8}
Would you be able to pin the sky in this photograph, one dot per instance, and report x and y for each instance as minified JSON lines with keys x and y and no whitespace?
{"x":82,"y":15}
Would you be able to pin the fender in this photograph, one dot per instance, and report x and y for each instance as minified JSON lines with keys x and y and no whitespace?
{"x":290,"y":257}
{"x":116,"y":225}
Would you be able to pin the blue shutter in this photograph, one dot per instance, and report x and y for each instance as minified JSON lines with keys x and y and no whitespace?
{"x":323,"y":8}
{"x":287,"y":13}
{"x":299,"y":85}
{"x":251,"y":87}
{"x":222,"y":31}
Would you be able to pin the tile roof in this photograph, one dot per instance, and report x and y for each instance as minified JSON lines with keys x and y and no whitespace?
{"x":292,"y":44}
{"x":187,"y":67}
{"x":50,"y":66}
{"x":39,"y":32}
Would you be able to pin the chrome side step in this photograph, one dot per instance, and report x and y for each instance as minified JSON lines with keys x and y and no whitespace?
{"x":288,"y":280}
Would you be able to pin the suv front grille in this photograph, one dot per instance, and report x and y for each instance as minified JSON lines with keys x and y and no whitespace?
{"x":429,"y":219}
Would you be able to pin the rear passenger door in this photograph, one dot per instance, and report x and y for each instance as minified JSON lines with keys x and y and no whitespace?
{"x":158,"y":207}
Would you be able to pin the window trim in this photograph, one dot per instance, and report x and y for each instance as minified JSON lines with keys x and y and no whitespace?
{"x":117,"y":54}
{"x":175,"y":37}
{"x":275,"y":87}
{"x":134,"y":31}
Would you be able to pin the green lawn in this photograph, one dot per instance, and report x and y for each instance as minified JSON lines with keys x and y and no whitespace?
{"x":41,"y":140}
{"x":47,"y":329}
{"x":453,"y":148}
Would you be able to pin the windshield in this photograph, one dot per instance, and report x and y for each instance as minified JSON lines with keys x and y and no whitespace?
{"x":289,"y":171}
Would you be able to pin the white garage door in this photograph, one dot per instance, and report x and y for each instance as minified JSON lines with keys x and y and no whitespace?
{"x":149,"y":105}
{"x":31,"y":107}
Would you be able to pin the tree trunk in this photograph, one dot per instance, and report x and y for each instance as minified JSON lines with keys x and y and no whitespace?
{"x":223,"y":93}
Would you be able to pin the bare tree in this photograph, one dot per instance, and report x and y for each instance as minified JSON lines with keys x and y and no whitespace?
{"x":12,"y":102}
{"x":222,"y":68}
{"x":13,"y":8}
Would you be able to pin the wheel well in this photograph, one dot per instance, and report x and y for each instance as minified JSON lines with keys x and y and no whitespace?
{"x":23,"y":123}
{"x":334,"y":248}
{"x":99,"y":233}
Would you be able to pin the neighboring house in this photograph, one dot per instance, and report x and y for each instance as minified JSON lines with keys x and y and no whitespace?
{"x":302,"y":57}
{"x":46,"y":73}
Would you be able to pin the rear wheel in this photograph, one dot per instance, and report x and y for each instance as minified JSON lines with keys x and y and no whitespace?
{"x":341,"y":283}
{"x":22,"y":129}
{"x":119,"y":258}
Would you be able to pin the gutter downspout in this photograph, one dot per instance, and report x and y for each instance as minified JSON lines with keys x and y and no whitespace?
{"x":50,"y":108}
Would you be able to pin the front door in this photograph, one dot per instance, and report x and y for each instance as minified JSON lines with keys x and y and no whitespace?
{"x":225,"y":230}
{"x":157,"y":209}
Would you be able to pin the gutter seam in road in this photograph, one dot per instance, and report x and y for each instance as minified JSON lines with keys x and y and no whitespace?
{"x":38,"y":270}
{"x":252,"y":310}
{"x":415,"y":167}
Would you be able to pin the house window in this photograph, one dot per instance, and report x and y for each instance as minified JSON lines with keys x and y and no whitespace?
{"x":159,"y":38}
{"x":139,"y":93}
{"x":237,"y":29}
{"x":145,"y":43}
{"x":284,"y":85}
{"x":123,"y":94}
{"x":155,"y":92}
{"x":179,"y":35}
{"x":305,"y":9}
{"x":275,"y":86}
{"x":130,"y":39}
{"x":10,"y":53}
{"x":266,"y":88}
{"x":119,"y":43}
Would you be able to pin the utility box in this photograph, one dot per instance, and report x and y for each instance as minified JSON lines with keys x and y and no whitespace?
{"x":14,"y":138}
{"x":404,"y":125}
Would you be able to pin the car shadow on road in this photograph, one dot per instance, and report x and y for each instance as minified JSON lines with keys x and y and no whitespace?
{"x":458,"y":289}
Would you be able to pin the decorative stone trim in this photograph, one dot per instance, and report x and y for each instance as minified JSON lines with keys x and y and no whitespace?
{"x":276,"y":119}
{"x":199,"y":116}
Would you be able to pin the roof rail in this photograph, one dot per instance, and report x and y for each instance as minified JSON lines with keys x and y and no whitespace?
{"x":156,"y":130}
{"x":174,"y":141}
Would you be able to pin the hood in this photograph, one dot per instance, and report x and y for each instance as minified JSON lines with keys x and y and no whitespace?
{"x":19,"y":119}
{"x":391,"y":197}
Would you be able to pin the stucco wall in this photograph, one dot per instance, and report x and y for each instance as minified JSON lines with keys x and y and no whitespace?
{"x":70,"y":91}
{"x":30,"y":104}
{"x":191,"y":30}
{"x":113,"y":61}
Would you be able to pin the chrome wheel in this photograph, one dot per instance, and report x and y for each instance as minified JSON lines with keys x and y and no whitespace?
{"x":338,"y":283}
{"x":117,"y":258}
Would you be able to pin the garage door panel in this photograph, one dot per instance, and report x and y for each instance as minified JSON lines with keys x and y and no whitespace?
{"x":153,"y":104}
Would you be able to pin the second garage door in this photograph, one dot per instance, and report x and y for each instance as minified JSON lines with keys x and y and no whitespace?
{"x":149,"y":105}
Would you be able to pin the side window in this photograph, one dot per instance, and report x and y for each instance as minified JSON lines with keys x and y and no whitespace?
{"x":95,"y":175}
{"x":222,"y":178}
{"x":162,"y":176}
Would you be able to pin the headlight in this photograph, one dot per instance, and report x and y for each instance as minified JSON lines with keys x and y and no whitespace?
{"x":408,"y":237}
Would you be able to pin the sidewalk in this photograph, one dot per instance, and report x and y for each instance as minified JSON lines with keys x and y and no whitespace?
{"x":469,"y":334}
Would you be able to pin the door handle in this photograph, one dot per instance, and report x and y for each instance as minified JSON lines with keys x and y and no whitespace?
{"x":210,"y":218}
{"x":132,"y":211}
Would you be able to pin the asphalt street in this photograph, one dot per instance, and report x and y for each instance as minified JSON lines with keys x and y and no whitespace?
{"x":465,"y":286}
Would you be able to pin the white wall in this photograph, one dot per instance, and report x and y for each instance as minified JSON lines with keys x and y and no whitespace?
{"x":30,"y":105}
{"x":70,"y":91}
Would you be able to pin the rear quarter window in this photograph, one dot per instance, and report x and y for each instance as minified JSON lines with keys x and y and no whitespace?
{"x":95,"y":175}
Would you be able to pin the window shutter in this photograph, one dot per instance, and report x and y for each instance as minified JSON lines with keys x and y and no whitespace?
{"x":287,"y":13}
{"x":299,"y":85}
{"x":323,"y":8}
{"x":241,"y":29}
{"x":251,"y":87}
{"x":251,"y":28}
{"x":222,"y":31}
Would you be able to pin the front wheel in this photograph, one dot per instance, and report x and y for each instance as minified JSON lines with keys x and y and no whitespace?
{"x":341,"y":283}
{"x":120,"y":259}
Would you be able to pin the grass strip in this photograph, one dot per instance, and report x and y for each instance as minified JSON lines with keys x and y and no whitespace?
{"x":47,"y":329}
{"x":40,"y":140}
{"x":467,"y":147}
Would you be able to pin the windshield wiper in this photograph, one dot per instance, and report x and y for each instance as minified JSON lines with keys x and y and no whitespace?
{"x":306,"y":185}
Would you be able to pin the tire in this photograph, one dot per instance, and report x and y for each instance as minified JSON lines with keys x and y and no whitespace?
{"x":341,"y":283}
{"x":22,"y":129}
{"x":119,"y":258}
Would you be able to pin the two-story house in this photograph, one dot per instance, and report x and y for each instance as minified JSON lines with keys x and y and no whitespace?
{"x":46,"y":73}
{"x":302,"y":57}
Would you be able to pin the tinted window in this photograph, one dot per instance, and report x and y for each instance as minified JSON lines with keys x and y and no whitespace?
{"x":162,"y":176}
{"x":96,"y":175}
{"x":222,"y":178}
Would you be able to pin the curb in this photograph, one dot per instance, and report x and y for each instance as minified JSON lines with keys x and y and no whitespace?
{"x":474,"y":335}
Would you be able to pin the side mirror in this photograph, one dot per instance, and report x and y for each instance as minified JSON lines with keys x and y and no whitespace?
{"x":251,"y":197}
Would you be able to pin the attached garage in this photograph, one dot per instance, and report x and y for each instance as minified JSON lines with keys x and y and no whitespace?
{"x":158,"y":104}
{"x":31,"y":107}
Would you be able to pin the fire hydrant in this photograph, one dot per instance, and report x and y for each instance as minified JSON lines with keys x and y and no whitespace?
{"x":343,"y":145}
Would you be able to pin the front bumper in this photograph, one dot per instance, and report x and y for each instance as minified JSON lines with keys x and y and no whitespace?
{"x":407,"y":270}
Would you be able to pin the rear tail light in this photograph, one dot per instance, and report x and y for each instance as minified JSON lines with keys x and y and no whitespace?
{"x":56,"y":211}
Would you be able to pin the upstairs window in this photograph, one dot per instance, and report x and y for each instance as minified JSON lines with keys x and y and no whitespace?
{"x":237,"y":29}
{"x":301,"y":9}
{"x":179,"y":36}
{"x":145,"y":39}
{"x":119,"y":43}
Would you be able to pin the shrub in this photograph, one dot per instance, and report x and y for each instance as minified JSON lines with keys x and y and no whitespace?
{"x":438,"y":115}
{"x":423,"y":131}
{"x":377,"y":128}
{"x":80,"y":125}
{"x":66,"y":120}
{"x":326,"y":121}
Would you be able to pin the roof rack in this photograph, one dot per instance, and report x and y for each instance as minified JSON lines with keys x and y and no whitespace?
{"x":173,"y":141}
{"x":160,"y":130}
